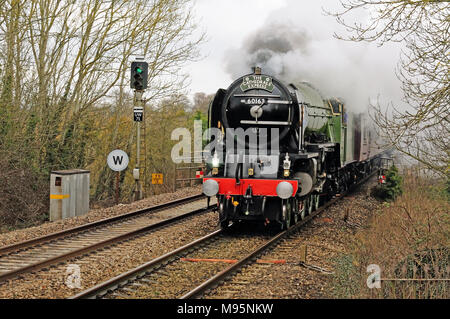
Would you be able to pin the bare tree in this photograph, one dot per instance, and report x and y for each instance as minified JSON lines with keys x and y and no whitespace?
{"x":64,"y":76}
{"x":422,"y":131}
{"x":201,"y":101}
{"x":62,"y":57}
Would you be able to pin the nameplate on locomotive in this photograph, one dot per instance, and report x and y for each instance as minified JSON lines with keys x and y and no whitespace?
{"x":261,"y":82}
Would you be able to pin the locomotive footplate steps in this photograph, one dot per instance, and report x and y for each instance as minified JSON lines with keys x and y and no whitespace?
{"x":93,"y":247}
{"x":233,"y":261}
{"x":27,"y":244}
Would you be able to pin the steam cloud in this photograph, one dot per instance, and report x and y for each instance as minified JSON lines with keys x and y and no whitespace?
{"x":268,"y":48}
{"x":354,"y":72}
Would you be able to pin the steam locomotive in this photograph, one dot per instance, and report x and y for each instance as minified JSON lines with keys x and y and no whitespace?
{"x":280,"y":151}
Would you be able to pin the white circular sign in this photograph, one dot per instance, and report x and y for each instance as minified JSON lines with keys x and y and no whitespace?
{"x":118,"y":160}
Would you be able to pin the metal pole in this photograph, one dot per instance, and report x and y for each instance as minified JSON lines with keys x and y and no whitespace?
{"x":138,"y":189}
{"x":144,"y":184}
{"x":117,"y":188}
{"x":190,"y":172}
{"x":174,"y":177}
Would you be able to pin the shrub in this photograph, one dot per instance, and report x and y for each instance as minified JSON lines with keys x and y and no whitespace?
{"x":392,"y":188}
{"x":394,"y":183}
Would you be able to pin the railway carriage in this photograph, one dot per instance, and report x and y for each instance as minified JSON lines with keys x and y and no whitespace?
{"x":282,"y":150}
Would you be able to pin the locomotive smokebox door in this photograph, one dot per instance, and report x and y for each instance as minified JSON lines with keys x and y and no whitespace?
{"x":262,"y":107}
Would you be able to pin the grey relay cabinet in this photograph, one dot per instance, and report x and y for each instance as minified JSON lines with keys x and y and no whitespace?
{"x":69,"y":193}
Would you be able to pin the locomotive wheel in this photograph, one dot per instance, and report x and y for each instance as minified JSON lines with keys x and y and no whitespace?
{"x":302,"y":212}
{"x":295,"y":211}
{"x":310,"y":204}
{"x":285,"y":215}
{"x":315,"y":202}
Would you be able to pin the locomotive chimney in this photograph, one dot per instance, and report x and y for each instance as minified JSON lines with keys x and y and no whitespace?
{"x":256,"y":70}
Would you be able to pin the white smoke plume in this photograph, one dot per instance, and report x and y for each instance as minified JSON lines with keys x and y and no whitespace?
{"x":307,"y":51}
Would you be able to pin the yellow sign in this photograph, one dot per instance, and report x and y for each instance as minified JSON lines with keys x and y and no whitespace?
{"x":54,"y":196}
{"x":157,"y":178}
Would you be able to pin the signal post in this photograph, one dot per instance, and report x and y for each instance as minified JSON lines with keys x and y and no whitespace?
{"x":139,"y":75}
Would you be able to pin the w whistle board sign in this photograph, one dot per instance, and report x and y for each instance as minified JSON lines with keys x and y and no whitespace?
{"x":138,"y":114}
{"x":117,"y":160}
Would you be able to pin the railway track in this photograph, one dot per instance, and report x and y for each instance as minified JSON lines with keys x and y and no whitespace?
{"x":170,"y":275}
{"x":42,"y":252}
{"x":191,"y":270}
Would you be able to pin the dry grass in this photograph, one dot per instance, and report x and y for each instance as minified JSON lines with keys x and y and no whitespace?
{"x":409,"y":239}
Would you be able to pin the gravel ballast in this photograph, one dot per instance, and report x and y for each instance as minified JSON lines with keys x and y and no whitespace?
{"x":93,"y":215}
{"x":326,"y":236}
{"x":109,"y":262}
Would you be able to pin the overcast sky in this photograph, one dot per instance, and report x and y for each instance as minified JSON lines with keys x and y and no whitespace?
{"x":354,"y":71}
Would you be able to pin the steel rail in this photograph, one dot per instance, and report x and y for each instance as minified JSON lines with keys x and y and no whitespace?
{"x":84,"y":250}
{"x":122,"y":279}
{"x":71,"y":231}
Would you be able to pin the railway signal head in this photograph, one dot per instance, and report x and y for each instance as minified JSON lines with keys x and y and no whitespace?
{"x":139,"y":74}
